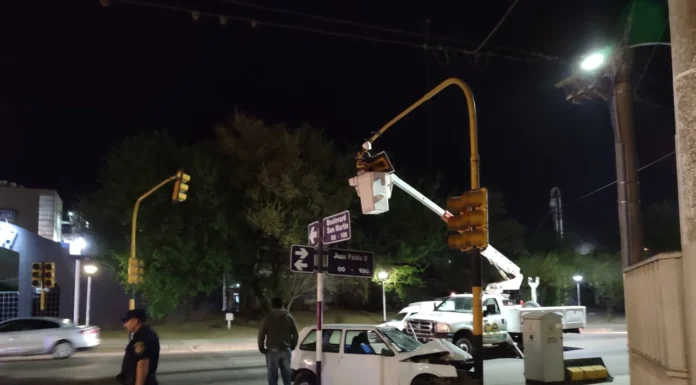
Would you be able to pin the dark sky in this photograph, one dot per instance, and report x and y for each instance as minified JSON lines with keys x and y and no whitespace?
{"x":79,"y":78}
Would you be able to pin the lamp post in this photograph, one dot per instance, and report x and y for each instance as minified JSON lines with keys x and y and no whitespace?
{"x":578,"y":279}
{"x":90,"y":270}
{"x":383,"y":276}
{"x":75,"y":248}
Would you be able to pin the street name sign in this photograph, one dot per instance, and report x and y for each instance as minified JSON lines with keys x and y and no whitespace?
{"x":351,"y":263}
{"x":313,"y":233}
{"x":302,"y":259}
{"x":336,"y":228}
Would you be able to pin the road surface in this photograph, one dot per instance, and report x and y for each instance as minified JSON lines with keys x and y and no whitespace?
{"x":248,"y":367}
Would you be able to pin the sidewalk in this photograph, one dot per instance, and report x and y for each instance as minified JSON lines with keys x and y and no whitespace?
{"x":186,"y":345}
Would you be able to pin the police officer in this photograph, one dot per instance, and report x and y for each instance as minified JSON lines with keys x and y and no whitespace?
{"x":142,"y":353}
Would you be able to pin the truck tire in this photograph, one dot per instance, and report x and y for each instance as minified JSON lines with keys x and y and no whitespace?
{"x":463,"y":341}
{"x":427,"y":380}
{"x":304,"y":378}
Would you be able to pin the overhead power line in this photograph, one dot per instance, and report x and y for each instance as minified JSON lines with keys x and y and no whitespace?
{"x":522,"y":55}
{"x":614,"y":182}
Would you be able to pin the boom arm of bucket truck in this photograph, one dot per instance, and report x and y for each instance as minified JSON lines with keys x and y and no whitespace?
{"x":510,"y":272}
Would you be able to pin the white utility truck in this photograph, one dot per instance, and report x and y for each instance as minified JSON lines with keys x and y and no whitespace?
{"x":502,"y":314}
{"x":453,"y":319}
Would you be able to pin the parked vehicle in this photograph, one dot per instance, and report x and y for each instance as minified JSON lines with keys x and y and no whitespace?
{"x":399,"y":321}
{"x":45,"y":335}
{"x":373,"y":355}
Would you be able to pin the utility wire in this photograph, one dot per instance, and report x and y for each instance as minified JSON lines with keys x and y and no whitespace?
{"x":497,"y":26}
{"x":614,"y":182}
{"x":395,"y":30}
{"x":256,"y":22}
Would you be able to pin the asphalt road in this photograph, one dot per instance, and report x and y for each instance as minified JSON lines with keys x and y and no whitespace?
{"x":248,"y":367}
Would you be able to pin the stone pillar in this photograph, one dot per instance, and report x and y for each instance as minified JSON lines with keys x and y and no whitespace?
{"x":682,"y":17}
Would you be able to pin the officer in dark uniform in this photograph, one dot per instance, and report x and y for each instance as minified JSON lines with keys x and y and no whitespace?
{"x":142,"y":353}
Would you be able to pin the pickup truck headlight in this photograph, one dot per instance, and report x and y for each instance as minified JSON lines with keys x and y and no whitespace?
{"x":442,"y":328}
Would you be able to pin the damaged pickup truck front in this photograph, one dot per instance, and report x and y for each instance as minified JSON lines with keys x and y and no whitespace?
{"x":373,"y":355}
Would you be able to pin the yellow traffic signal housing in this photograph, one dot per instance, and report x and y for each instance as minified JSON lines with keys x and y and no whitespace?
{"x":36,"y":274}
{"x":49,"y":274}
{"x":469,"y":220}
{"x":136,"y":270}
{"x":181,"y":186}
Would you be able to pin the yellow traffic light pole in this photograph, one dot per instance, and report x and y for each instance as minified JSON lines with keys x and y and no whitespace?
{"x":131,"y":302}
{"x":475,"y":185}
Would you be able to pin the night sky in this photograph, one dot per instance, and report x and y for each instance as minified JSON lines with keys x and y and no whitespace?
{"x":79,"y":78}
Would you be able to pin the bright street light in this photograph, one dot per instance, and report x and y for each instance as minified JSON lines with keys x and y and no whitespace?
{"x":382,"y":275}
{"x":90,"y":269}
{"x":592,"y":62}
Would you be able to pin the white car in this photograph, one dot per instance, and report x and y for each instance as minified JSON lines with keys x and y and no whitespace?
{"x":373,"y":355}
{"x":45,"y":335}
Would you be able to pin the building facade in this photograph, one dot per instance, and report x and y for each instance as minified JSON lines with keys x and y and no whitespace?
{"x":37,"y":210}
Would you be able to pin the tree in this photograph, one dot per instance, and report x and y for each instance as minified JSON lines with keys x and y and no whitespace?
{"x":606,"y":279}
{"x":184,"y":247}
{"x":289,"y":178}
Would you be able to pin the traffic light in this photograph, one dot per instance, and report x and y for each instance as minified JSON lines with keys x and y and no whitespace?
{"x":136,"y":270}
{"x":470,"y":220}
{"x":36,"y":274}
{"x":49,"y":274}
{"x":181,"y":186}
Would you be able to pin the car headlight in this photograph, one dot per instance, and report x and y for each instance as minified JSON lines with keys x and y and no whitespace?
{"x":442,"y":328}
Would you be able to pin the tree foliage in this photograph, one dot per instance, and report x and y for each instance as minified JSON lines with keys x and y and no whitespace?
{"x":185,"y":247}
{"x":288,"y":178}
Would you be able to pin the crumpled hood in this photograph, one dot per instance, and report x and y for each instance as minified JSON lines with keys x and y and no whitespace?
{"x":443,"y":316}
{"x":437,"y":346}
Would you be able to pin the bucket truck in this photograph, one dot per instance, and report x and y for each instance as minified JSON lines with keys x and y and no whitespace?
{"x":452,"y":320}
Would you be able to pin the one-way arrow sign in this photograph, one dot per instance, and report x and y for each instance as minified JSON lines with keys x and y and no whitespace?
{"x":302,"y":259}
{"x":313,"y":233}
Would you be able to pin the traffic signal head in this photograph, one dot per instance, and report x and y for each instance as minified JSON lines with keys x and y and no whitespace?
{"x":49,"y":274}
{"x":181,"y":186}
{"x":136,"y":270}
{"x":470,"y":220}
{"x":36,"y":274}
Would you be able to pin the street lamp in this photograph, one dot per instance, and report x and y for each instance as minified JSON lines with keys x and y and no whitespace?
{"x":90,"y":270}
{"x":592,"y":62}
{"x":605,"y":74}
{"x":383,"y":276}
{"x":578,"y":279}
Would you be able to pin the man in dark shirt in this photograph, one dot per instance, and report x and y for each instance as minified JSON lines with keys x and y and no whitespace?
{"x":277,"y":338}
{"x":142,"y":353}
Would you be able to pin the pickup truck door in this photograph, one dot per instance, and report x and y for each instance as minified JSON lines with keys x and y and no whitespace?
{"x":494,"y":325}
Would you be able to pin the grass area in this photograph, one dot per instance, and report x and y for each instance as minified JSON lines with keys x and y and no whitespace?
{"x":213,"y":329}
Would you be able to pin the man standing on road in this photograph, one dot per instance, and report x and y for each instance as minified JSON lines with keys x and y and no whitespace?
{"x":277,"y":338}
{"x":142,"y":353}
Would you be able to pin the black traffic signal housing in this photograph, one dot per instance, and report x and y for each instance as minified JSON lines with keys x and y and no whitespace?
{"x":36,"y":274}
{"x":469,"y":220}
{"x":181,"y":187}
{"x":49,"y":274}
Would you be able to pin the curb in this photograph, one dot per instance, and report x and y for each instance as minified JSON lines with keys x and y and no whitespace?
{"x":183,"y":348}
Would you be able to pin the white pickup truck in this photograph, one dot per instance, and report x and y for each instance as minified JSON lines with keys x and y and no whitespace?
{"x":453,"y":320}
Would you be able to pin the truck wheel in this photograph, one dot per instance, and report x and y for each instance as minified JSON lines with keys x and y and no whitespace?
{"x":304,"y":378}
{"x":531,"y":304}
{"x":462,"y":341}
{"x":427,"y":380}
